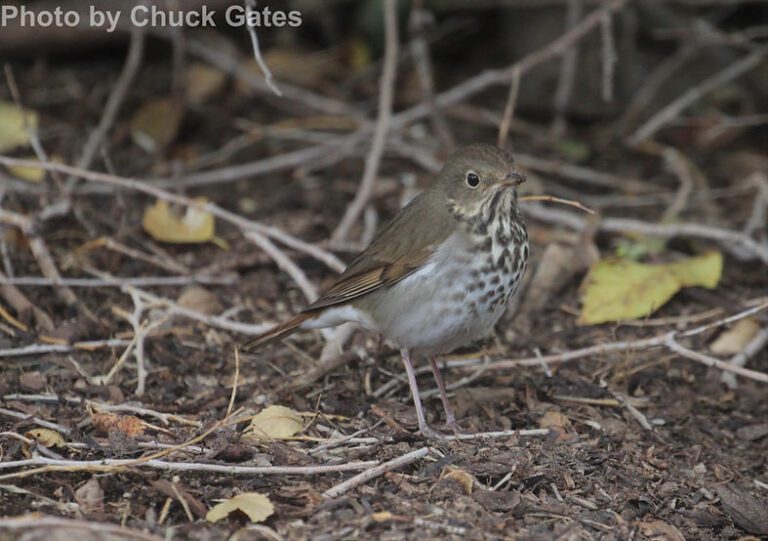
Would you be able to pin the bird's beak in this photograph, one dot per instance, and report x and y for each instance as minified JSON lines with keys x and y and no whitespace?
{"x":513,"y":180}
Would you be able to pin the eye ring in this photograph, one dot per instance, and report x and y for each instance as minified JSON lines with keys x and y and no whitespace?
{"x":473,"y":181}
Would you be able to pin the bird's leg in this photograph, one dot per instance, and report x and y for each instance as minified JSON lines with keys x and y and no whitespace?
{"x":424,"y":428}
{"x":450,"y":419}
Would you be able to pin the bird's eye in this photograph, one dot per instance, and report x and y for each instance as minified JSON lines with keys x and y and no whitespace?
{"x":473,"y":181}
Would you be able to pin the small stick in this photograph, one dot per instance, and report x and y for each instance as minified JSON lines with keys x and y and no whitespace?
{"x":250,"y":5}
{"x":40,"y":349}
{"x":114,"y":102}
{"x":498,"y":434}
{"x":560,"y":200}
{"x":386,"y":97}
{"x":233,"y":395}
{"x":509,"y":108}
{"x":695,"y":93}
{"x":148,"y":281}
{"x":344,"y":487}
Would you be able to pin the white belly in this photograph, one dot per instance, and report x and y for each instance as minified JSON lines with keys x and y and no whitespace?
{"x":446,"y":304}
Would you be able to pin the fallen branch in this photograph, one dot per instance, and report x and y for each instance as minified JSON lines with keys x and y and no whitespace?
{"x":48,"y":465}
{"x":148,"y":281}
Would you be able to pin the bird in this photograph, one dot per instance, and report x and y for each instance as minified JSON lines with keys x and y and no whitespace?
{"x":439,"y":275}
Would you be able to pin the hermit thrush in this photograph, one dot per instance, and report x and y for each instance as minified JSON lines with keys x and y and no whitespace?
{"x":439,"y":275}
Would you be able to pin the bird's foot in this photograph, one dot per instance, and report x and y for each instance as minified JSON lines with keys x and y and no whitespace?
{"x":453,"y":425}
{"x":430,"y":433}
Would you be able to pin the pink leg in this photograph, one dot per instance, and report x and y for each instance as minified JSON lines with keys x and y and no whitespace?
{"x":450,"y":419}
{"x":424,"y":428}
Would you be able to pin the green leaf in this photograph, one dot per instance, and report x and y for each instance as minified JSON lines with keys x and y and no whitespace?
{"x":617,"y":290}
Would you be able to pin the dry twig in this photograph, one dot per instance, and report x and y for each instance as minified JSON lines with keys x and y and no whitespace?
{"x":386,"y":97}
{"x":344,"y":487}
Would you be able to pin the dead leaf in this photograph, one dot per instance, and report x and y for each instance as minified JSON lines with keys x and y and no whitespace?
{"x":274,"y":422}
{"x":616,"y":290}
{"x":734,"y":340}
{"x":747,"y":511}
{"x":155,"y":125}
{"x":554,"y":419}
{"x":203,"y":82}
{"x":90,"y":496}
{"x":661,"y":531}
{"x":199,"y":299}
{"x":557,"y":423}
{"x":126,"y":424}
{"x":13,"y":132}
{"x":47,"y":437}
{"x":464,"y":479}
{"x":195,"y":226}
{"x":256,"y":506}
{"x":32,"y":381}
{"x":30,"y":174}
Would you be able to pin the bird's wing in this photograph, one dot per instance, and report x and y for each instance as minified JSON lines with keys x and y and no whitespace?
{"x":400,"y":249}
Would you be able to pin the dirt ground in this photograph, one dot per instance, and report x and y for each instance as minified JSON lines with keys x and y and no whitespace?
{"x":640,"y":443}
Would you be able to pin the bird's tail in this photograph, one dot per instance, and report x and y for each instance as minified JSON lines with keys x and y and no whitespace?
{"x":278,"y":332}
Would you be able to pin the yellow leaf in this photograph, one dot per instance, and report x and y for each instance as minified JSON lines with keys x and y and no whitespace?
{"x":735,"y":339}
{"x":13,"y":132}
{"x":155,"y":125}
{"x":47,"y":437}
{"x":194,"y":227}
{"x":617,"y":290}
{"x":701,"y":271}
{"x":464,"y":479}
{"x":275,"y":422}
{"x":203,"y":82}
{"x":31,"y":174}
{"x":255,"y":505}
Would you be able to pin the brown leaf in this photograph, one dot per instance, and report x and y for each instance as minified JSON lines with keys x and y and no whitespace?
{"x":203,"y":82}
{"x":661,"y":531}
{"x":199,"y":299}
{"x":126,"y":424}
{"x":90,"y":497}
{"x":735,"y":339}
{"x":464,"y":479}
{"x":32,"y":381}
{"x":155,"y":125}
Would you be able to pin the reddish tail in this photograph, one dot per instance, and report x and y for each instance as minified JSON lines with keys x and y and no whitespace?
{"x":278,"y":332}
